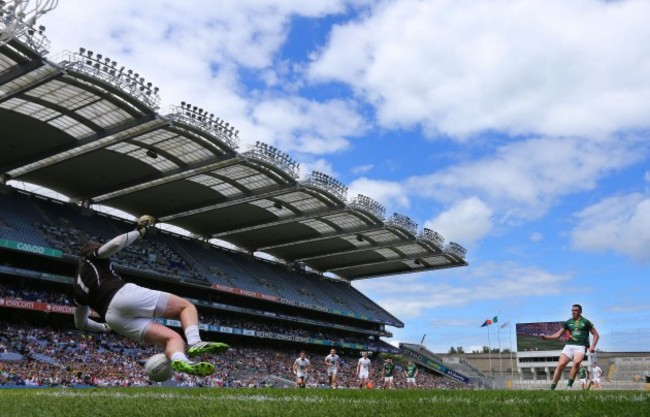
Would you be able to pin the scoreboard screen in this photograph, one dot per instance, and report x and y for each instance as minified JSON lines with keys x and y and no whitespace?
{"x":528,"y":336}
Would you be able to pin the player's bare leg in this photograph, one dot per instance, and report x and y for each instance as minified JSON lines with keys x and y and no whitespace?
{"x":174,"y":345}
{"x":577,"y":361}
{"x":181,"y":309}
{"x":562,"y":363}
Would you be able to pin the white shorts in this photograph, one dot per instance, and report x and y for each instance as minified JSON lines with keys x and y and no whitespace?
{"x":332,"y":371}
{"x":132,"y":308}
{"x":596,"y":380}
{"x":410,"y":380}
{"x":301,"y":375}
{"x":388,"y":379}
{"x":363,"y":374}
{"x":583,"y":381}
{"x":570,"y":350}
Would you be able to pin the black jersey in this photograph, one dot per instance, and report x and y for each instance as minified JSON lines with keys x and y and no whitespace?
{"x":96,"y":283}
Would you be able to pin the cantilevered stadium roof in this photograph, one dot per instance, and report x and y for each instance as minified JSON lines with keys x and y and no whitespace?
{"x":82,"y":125}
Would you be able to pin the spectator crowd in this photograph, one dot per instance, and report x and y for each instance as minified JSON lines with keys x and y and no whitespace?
{"x":32,"y":355}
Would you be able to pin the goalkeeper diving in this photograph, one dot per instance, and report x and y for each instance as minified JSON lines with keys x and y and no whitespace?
{"x":129,"y":309}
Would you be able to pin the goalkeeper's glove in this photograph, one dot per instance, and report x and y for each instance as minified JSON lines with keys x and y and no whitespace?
{"x":144,"y":223}
{"x":107,"y":328}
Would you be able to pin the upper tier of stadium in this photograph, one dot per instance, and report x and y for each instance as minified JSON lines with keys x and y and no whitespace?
{"x":85,"y":127}
{"x":43,"y":223}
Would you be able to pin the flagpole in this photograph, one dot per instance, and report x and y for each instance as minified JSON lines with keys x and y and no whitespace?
{"x":499,"y":338}
{"x":490,"y":352}
{"x":512,"y":368}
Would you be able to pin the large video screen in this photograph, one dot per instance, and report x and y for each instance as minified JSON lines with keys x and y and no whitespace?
{"x":528,"y":336}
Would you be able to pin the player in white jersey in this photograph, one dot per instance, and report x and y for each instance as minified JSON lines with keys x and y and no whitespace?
{"x":363,"y":370}
{"x":300,"y":368}
{"x":332,"y":362}
{"x":596,"y":373}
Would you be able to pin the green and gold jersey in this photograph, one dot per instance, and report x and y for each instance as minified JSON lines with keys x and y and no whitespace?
{"x":389,"y":368}
{"x":582,"y":373}
{"x":578,"y":331}
{"x":411,"y":370}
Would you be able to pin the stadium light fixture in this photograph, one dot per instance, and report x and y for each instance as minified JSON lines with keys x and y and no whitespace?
{"x":433,"y":238}
{"x":456,"y":250}
{"x":271,"y":155}
{"x":18,"y":22}
{"x":328,"y":183}
{"x":403,"y":222}
{"x":199,"y":118}
{"x":103,"y":68}
{"x":367,"y":204}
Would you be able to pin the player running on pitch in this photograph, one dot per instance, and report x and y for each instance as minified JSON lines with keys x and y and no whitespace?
{"x":596,"y":374}
{"x":363,"y":370}
{"x":332,"y":362}
{"x":577,"y":345}
{"x":300,"y":368}
{"x":388,"y":373}
{"x":128,"y":309}
{"x":583,"y":374}
{"x":411,"y":372}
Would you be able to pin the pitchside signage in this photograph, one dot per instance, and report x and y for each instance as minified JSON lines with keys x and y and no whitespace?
{"x":26,"y":247}
{"x":37,"y":306}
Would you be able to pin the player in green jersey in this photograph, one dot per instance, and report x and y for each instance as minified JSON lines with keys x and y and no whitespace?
{"x":583,"y":374}
{"x":388,"y":373}
{"x":577,"y":345}
{"x":410,"y":372}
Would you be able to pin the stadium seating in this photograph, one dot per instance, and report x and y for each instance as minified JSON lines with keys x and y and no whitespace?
{"x":54,"y":224}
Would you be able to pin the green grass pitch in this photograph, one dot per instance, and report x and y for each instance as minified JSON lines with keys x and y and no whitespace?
{"x":204,"y":402}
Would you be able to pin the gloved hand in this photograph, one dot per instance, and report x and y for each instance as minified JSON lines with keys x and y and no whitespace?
{"x":144,"y":223}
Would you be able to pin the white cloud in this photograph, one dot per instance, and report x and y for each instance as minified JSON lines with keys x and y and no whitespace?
{"x":627,"y":308}
{"x":389,"y":193}
{"x":198,"y":53}
{"x":549,"y":67}
{"x":620,"y":224}
{"x":465,"y":222}
{"x":299,"y":125}
{"x":320,"y":165}
{"x":536,"y":236}
{"x":411,"y":296}
{"x":524,"y":178}
{"x":362,"y":169}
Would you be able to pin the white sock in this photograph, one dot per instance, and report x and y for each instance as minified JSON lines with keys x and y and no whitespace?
{"x":179,"y":356}
{"x":192,"y":335}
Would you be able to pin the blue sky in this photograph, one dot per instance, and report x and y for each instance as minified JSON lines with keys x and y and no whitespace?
{"x":518,"y":129}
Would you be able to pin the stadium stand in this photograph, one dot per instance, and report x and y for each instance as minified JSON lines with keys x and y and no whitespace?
{"x":162,"y":254}
{"x":630,"y":369}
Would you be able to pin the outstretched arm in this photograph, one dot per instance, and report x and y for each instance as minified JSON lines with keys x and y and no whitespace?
{"x":82,"y":322}
{"x":122,"y":241}
{"x":555,"y":335}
